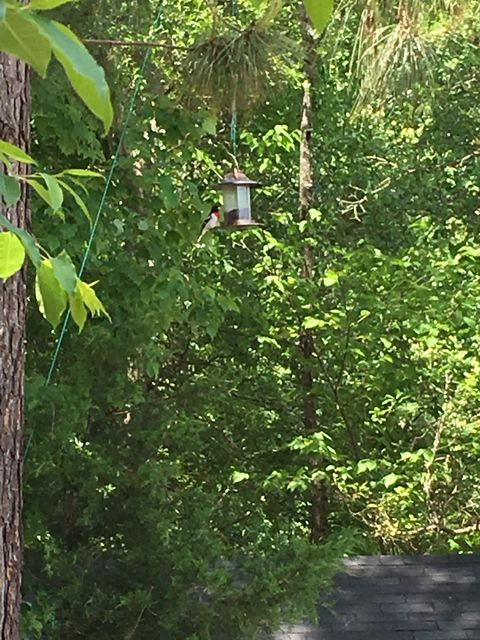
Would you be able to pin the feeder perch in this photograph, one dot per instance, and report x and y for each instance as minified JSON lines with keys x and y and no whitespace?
{"x":235,"y":189}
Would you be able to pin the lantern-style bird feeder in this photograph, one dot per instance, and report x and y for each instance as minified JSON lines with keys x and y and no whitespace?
{"x":235,"y":189}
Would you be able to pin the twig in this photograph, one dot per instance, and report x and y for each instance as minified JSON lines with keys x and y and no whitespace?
{"x":132,"y":632}
{"x":474,"y":154}
{"x":133,"y":43}
{"x":429,"y":472}
{"x":341,"y":370}
{"x":336,"y":396}
{"x":380,"y":160}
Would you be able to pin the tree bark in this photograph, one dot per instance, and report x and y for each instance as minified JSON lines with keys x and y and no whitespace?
{"x":14,"y":128}
{"x":318,"y":497}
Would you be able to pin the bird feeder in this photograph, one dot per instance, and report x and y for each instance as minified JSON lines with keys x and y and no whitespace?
{"x":235,"y":189}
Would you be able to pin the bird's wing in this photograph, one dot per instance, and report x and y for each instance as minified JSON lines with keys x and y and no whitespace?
{"x":206,"y":221}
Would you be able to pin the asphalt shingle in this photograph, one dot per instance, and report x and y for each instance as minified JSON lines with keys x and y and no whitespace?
{"x":434,"y":597}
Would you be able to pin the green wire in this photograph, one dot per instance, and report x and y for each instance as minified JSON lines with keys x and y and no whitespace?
{"x":103,"y":199}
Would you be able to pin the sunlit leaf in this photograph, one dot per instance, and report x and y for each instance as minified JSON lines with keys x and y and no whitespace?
{"x":390,"y":480}
{"x":239,"y":476}
{"x":15,"y":152}
{"x":25,"y":238}
{"x":313,"y":323}
{"x":78,"y":309}
{"x":83,"y":173}
{"x":91,"y":300}
{"x":45,"y":5}
{"x":366,"y":465}
{"x":12,"y":254}
{"x":319,"y":12}
{"x":51,"y":298}
{"x":330,"y":278}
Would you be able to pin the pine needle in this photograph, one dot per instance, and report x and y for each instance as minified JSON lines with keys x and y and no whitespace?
{"x":394,"y":46}
{"x":234,"y":67}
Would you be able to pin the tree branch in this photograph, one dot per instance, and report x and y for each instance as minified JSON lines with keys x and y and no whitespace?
{"x":133,"y":43}
{"x":339,"y":405}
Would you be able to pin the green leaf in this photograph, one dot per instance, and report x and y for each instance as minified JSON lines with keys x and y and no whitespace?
{"x":85,"y":75}
{"x":84,"y":173}
{"x":119,"y":225}
{"x":315,"y":214}
{"x":168,"y":192}
{"x":390,"y":480}
{"x":26,"y":239}
{"x":319,"y":12}
{"x":209,"y":125}
{"x":239,"y":476}
{"x":20,"y":36}
{"x":330,"y":278}
{"x":80,"y":203}
{"x":78,"y":309}
{"x":15,"y":152}
{"x":3,"y":9}
{"x":6,"y":161}
{"x":79,"y":183}
{"x":54,"y":190}
{"x":90,"y":299}
{"x":9,"y":189}
{"x":45,"y":5}
{"x":51,"y":298}
{"x":12,"y":254}
{"x":313,"y":323}
{"x":366,"y":465}
{"x":40,"y":189}
{"x":65,"y":272}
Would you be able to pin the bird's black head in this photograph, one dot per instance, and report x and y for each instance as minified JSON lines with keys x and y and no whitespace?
{"x":215,"y":208}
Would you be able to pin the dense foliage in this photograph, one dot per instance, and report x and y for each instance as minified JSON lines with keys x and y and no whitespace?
{"x":169,"y":469}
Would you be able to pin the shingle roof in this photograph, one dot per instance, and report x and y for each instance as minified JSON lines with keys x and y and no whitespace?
{"x":433,"y":597}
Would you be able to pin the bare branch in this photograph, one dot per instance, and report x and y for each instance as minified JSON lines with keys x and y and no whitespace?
{"x":133,"y":43}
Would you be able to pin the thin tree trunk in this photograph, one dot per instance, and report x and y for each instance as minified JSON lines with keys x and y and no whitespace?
{"x":318,"y":496}
{"x":14,"y":128}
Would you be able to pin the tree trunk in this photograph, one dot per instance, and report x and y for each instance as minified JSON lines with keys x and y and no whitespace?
{"x":14,"y":128}
{"x":318,"y":497}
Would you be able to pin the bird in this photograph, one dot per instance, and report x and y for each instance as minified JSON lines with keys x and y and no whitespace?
{"x":211,"y":222}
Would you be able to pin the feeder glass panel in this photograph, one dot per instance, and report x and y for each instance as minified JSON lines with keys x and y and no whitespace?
{"x":229,"y":197}
{"x":243,"y":195}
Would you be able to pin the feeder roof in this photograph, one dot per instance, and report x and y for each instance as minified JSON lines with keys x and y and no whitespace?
{"x":237,"y":177}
